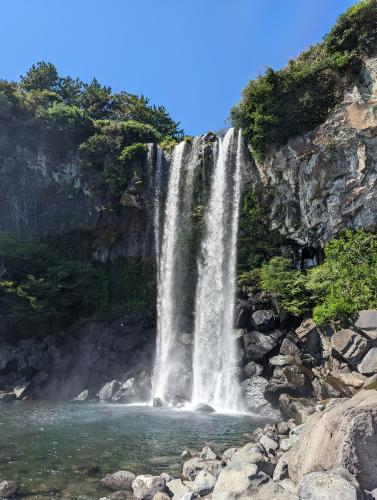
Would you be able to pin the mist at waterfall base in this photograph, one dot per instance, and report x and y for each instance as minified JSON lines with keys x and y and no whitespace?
{"x":63,"y":450}
{"x":211,"y":376}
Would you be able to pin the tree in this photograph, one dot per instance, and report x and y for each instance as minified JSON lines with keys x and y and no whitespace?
{"x":96,"y":100}
{"x":41,"y":76}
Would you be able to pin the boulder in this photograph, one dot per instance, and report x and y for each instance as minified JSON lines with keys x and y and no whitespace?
{"x":192,"y":467}
{"x":251,"y":369}
{"x":258,"y":344}
{"x":273,"y":491}
{"x":281,"y":470}
{"x":253,"y":453}
{"x":262,"y":300}
{"x":226,"y":457}
{"x":368,"y":364}
{"x":297,"y":408}
{"x":180,"y":487}
{"x":325,"y":486}
{"x":310,"y":338}
{"x":269,"y":444}
{"x":202,"y":407}
{"x":242,"y":314}
{"x":367,"y":321}
{"x":343,"y":435}
{"x":289,"y":346}
{"x":282,"y":360}
{"x":263,"y":320}
{"x":108,"y":391}
{"x":352,"y":379}
{"x":83,"y":396}
{"x":238,"y":481}
{"x":253,"y":395}
{"x":204,"y":483}
{"x":7,"y":489}
{"x":293,"y":380}
{"x":141,"y":485}
{"x":350,"y":345}
{"x":158,"y":487}
{"x":207,"y":453}
{"x":333,"y":387}
{"x":121,"y":480}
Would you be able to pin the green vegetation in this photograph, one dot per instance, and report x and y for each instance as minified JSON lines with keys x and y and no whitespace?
{"x":334,"y":291}
{"x":58,"y":281}
{"x":281,"y":104}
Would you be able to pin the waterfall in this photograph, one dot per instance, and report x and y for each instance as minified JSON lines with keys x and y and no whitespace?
{"x":157,"y":206}
{"x":214,"y":357}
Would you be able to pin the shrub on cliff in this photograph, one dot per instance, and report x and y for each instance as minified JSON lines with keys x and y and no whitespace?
{"x":281,"y":104}
{"x":334,"y":291}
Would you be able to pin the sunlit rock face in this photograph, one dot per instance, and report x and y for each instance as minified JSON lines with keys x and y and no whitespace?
{"x":326,"y":180}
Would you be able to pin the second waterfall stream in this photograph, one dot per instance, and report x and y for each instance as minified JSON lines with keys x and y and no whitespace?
{"x":207,"y":372}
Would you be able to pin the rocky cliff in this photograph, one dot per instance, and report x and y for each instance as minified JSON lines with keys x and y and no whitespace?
{"x":325,"y":180}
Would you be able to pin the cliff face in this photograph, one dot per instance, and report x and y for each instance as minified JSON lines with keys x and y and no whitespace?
{"x":326,"y":180}
{"x":43,"y":195}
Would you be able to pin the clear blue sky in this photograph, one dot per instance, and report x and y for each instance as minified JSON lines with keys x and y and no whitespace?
{"x":193,"y":56}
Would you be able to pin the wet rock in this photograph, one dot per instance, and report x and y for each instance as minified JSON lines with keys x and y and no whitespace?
{"x":236,"y":481}
{"x":258,"y":344}
{"x":158,"y":403}
{"x":7,"y":489}
{"x":204,"y":408}
{"x":108,"y":391}
{"x":253,"y":395}
{"x":297,"y":408}
{"x":251,"y":369}
{"x":326,"y":485}
{"x":83,"y":396}
{"x":343,"y":435}
{"x":121,"y":480}
{"x":263,"y":320}
{"x":350,"y":345}
{"x":369,"y":363}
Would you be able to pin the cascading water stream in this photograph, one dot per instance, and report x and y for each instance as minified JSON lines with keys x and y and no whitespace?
{"x":157,"y":206}
{"x":214,"y":358}
{"x":166,"y":294}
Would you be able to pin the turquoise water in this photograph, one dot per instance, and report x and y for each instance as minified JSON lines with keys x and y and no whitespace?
{"x":62,"y":450}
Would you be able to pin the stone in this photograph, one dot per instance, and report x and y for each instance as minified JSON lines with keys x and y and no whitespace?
{"x":238,"y":481}
{"x":281,"y":470}
{"x":282,"y":360}
{"x":286,"y":444}
{"x":253,"y":453}
{"x":207,"y":453}
{"x":242,"y":314}
{"x":108,"y":391}
{"x":253,"y":395}
{"x":263,"y":320}
{"x":262,"y":300}
{"x":7,"y":489}
{"x":288,"y":485}
{"x":325,"y":486}
{"x":192,"y":467}
{"x":343,"y":435}
{"x":333,"y":387}
{"x":369,"y":363}
{"x":157,"y":487}
{"x":282,"y":428}
{"x":288,"y":346}
{"x":293,"y":380}
{"x":161,"y":496}
{"x":269,"y":444}
{"x":367,"y":321}
{"x":141,"y":485}
{"x":251,"y":369}
{"x":226,"y":457}
{"x":309,"y":336}
{"x":121,"y":480}
{"x":258,"y":344}
{"x":352,"y":379}
{"x":158,"y":403}
{"x":204,"y":483}
{"x":350,"y":345}
{"x":20,"y":389}
{"x":297,"y":408}
{"x":272,"y":491}
{"x":180,"y":487}
{"x":83,"y":396}
{"x":204,"y":408}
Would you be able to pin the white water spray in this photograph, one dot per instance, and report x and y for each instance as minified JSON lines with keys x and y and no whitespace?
{"x":214,"y":359}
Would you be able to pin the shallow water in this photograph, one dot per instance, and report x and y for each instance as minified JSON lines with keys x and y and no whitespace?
{"x":62,"y":450}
